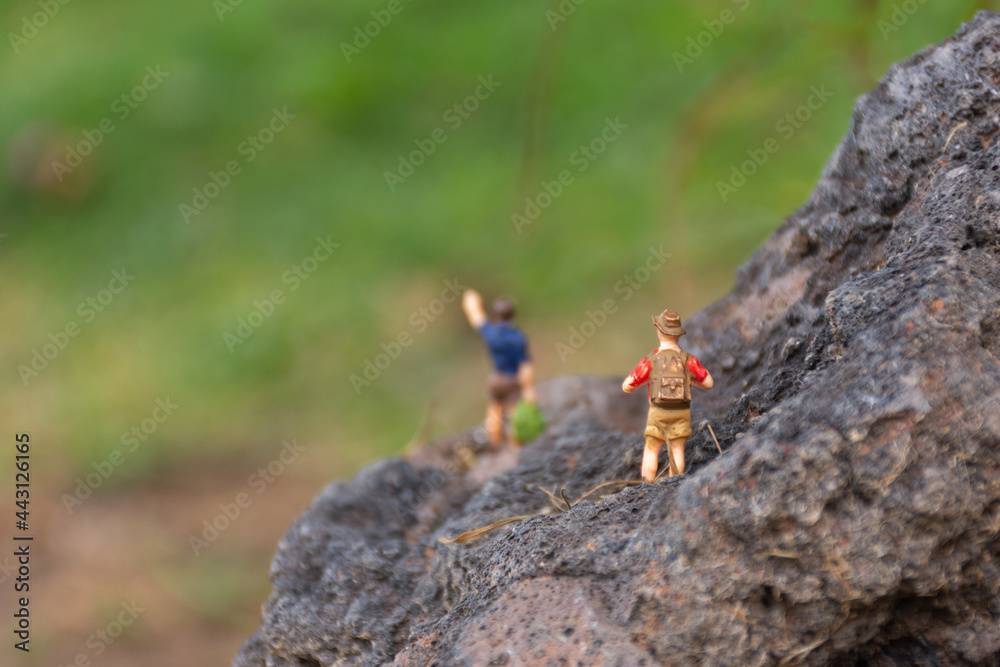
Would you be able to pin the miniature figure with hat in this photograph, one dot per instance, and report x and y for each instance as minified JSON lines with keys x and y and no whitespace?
{"x":669,"y":372}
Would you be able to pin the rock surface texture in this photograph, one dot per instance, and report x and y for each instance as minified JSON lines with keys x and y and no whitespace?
{"x":853,"y":517}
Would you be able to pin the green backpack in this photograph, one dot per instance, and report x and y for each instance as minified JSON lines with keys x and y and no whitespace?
{"x":527,"y":421}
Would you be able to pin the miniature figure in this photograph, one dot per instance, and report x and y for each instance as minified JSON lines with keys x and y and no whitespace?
{"x":669,"y":371}
{"x":513,"y":376}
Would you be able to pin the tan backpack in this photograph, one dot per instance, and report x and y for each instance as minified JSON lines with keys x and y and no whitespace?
{"x":669,"y":380}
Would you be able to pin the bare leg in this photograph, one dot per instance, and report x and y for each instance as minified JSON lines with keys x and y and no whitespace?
{"x":676,"y":451}
{"x":650,"y":458}
{"x":511,"y":436}
{"x":494,"y":424}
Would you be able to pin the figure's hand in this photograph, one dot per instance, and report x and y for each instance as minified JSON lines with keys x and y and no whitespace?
{"x":708,"y":382}
{"x":471,"y":297}
{"x":472,"y":304}
{"x":638,"y":377}
{"x":700,"y":376}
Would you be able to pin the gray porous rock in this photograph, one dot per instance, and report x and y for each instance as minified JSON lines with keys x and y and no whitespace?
{"x":853,"y":517}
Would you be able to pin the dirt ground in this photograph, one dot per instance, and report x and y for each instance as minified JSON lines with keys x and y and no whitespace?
{"x":117,"y":583}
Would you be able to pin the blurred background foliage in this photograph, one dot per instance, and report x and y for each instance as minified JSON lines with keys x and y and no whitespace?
{"x":231,"y":63}
{"x":324,"y":176}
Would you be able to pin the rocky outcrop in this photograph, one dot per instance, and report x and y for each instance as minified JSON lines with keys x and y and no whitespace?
{"x":853,"y":515}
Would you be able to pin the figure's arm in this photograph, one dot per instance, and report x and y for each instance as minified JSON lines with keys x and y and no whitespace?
{"x":638,"y":377}
{"x":526,"y":377}
{"x":472,"y":304}
{"x":702,"y":378}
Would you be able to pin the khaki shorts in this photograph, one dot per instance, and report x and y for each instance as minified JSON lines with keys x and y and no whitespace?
{"x":668,"y":423}
{"x":504,"y":388}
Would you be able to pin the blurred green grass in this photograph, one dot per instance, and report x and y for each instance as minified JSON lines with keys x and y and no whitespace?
{"x":324,"y":176}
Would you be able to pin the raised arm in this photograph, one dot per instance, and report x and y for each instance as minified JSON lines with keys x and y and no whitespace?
{"x":472,"y":304}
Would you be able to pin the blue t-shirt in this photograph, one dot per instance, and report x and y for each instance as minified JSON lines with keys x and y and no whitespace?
{"x":507,"y":346}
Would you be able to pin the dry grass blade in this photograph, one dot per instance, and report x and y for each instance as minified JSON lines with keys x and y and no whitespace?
{"x":952,"y":135}
{"x":671,"y":464}
{"x":476,"y":533}
{"x":662,"y":472}
{"x":799,"y":655}
{"x":554,"y":499}
{"x":561,"y":503}
{"x":419,"y":438}
{"x":713,"y":436}
{"x":624,"y":482}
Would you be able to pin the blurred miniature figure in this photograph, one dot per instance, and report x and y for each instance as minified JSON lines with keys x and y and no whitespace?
{"x":669,"y":371}
{"x":513,"y":376}
{"x":43,"y":160}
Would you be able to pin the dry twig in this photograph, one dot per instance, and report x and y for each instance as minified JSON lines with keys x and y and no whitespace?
{"x":476,"y":533}
{"x":557,"y":501}
{"x":554,"y":500}
{"x":713,"y":436}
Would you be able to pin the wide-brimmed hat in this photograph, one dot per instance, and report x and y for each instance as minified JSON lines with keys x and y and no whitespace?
{"x":669,"y":323}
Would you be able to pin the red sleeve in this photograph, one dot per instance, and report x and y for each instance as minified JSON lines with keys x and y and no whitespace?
{"x":697,"y":370}
{"x":640,"y":374}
